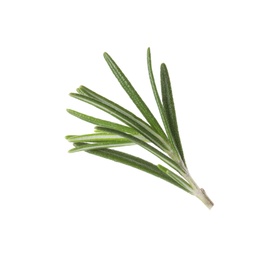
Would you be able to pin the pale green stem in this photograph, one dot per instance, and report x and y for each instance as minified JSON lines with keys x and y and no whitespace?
{"x":199,"y":192}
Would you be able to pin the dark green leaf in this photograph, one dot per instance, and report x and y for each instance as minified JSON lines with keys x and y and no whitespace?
{"x":97,"y":137}
{"x":101,"y":122}
{"x":148,"y":147}
{"x":153,"y":85}
{"x":132,"y":161}
{"x":169,"y":108}
{"x":126,"y":117}
{"x":138,"y":101}
{"x":160,"y":106}
{"x":93,"y":146}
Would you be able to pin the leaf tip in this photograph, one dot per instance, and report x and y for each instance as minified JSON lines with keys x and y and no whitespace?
{"x":70,"y":111}
{"x":164,"y":72}
{"x":105,"y":54}
{"x":68,"y":137}
{"x":72,"y":94}
{"x":163,"y":66}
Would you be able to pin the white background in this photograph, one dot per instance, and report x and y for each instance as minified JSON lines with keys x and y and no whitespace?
{"x":55,"y":205}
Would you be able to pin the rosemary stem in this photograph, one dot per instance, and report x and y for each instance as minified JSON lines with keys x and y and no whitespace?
{"x":204,"y":198}
{"x":200,"y":193}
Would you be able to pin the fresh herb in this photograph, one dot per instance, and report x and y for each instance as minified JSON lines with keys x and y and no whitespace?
{"x":163,"y":143}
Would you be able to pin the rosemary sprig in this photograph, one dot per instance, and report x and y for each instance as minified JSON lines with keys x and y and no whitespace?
{"x":165,"y":144}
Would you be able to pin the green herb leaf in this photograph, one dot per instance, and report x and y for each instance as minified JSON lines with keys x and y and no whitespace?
{"x":169,"y":108}
{"x":96,"y":137}
{"x":175,"y":152}
{"x":126,"y":117}
{"x":148,"y":147}
{"x":133,"y":161}
{"x":138,"y":101}
{"x":154,"y":87}
{"x":102,"y":122}
{"x":99,"y":145}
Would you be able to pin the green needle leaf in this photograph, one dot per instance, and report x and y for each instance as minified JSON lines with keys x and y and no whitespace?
{"x":169,"y":108}
{"x":138,"y":101}
{"x":148,"y":147}
{"x":133,"y":161}
{"x":100,"y":136}
{"x":126,"y":117}
{"x":154,"y":87}
{"x":101,"y":122}
{"x":96,"y":137}
{"x":93,"y":146}
{"x":160,"y":106}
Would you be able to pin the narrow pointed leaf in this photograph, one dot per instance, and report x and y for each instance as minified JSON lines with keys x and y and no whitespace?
{"x":132,"y":161}
{"x":96,"y":137}
{"x":126,"y":117}
{"x":112,"y":105}
{"x":148,"y":147}
{"x":102,"y":122}
{"x":160,"y":105}
{"x":93,"y":146}
{"x":132,"y":93}
{"x":169,"y":108}
{"x":91,"y":94}
{"x":154,"y":87}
